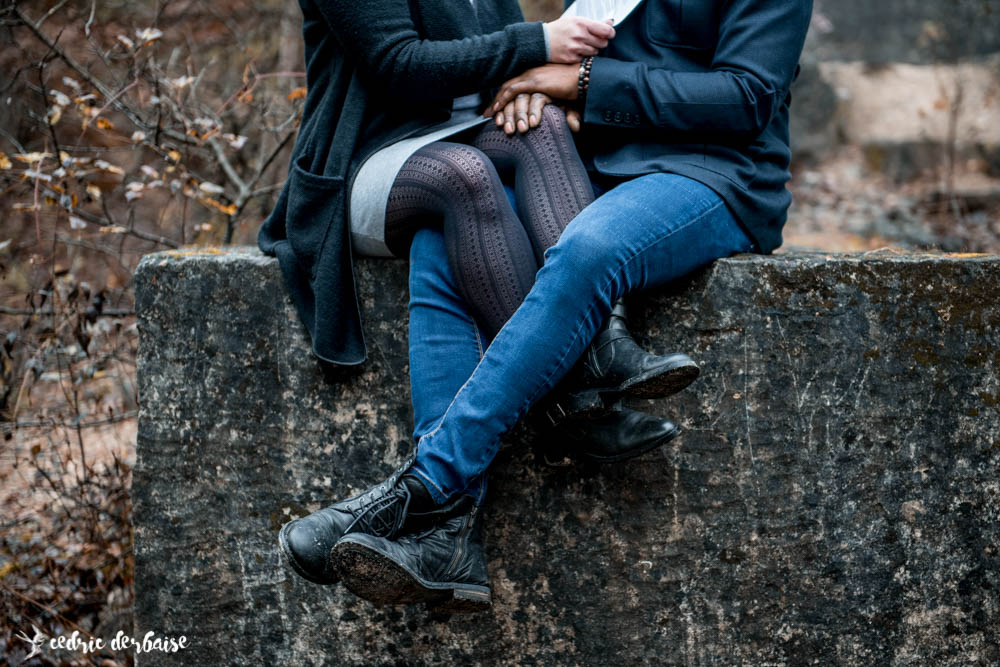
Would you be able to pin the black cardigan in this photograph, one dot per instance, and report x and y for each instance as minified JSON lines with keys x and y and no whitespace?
{"x":377,"y":71}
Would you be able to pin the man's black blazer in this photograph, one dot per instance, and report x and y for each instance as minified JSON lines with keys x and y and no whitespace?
{"x":701,"y":88}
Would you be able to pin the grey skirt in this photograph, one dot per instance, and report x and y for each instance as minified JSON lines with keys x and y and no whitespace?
{"x":370,"y":192}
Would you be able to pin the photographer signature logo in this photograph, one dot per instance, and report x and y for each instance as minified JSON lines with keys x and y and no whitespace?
{"x":148,"y":643}
{"x":36,"y":643}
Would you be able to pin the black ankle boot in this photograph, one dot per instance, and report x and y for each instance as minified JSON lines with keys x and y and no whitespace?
{"x":615,"y":366}
{"x":399,"y":503}
{"x":444,"y":566}
{"x":619,"y":435}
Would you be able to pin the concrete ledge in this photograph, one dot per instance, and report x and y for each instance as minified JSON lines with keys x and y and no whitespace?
{"x":834,"y":500}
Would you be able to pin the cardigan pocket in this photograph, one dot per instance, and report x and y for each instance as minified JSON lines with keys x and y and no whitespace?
{"x":314,"y":203}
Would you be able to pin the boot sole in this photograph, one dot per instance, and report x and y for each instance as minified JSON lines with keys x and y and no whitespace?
{"x":655,"y":383}
{"x":375,"y":577}
{"x":660,"y":383}
{"x":299,"y":570}
{"x":633,"y":453}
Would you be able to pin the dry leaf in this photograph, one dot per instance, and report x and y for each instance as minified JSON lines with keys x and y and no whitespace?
{"x":36,"y":173}
{"x":61,"y":98}
{"x":236,"y":142}
{"x":174,"y":155}
{"x":94,"y":191}
{"x":148,"y":36}
{"x":5,"y":163}
{"x":113,"y":229}
{"x":219,"y":206}
{"x":31,"y":158}
{"x":76,"y":223}
{"x":105,"y":124}
{"x":107,"y":166}
{"x":211,"y":188}
{"x":296,"y":94}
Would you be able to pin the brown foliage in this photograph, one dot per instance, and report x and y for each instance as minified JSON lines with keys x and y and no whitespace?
{"x":125,"y":128}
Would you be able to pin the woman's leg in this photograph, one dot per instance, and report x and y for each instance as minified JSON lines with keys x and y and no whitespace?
{"x":493,"y":260}
{"x":642,"y":234}
{"x":550,"y":181}
{"x":457,"y":187}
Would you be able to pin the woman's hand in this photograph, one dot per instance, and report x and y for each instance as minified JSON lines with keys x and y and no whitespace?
{"x":525,"y":112}
{"x":572,"y":38}
{"x":559,"y":82}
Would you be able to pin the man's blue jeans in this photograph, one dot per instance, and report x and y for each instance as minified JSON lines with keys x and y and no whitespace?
{"x":643,"y":233}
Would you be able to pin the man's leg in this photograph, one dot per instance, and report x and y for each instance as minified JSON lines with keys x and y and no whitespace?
{"x":642,"y":234}
{"x":446,"y":344}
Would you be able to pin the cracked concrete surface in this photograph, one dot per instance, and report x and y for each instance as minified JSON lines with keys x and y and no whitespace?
{"x":833,"y":500}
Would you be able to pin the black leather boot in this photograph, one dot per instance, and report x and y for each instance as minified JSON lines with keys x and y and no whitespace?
{"x":615,"y":366}
{"x":444,"y":566}
{"x":399,"y":503}
{"x":619,"y":435}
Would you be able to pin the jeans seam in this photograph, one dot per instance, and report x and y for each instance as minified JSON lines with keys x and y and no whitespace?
{"x":430,"y":481}
{"x":479,"y":340}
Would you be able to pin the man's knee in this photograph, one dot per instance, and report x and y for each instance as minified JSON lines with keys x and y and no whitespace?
{"x":584,"y":253}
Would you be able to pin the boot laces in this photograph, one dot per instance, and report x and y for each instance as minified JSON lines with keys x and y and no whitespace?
{"x":383,"y":516}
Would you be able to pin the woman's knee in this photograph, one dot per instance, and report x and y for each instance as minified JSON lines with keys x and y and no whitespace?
{"x":554,"y":119}
{"x":470,"y":174}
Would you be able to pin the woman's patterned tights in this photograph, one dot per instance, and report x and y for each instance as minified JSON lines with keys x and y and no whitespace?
{"x":493,"y":253}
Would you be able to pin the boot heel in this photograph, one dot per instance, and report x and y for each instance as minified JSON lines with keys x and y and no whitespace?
{"x":585,"y":404}
{"x":465,"y":601}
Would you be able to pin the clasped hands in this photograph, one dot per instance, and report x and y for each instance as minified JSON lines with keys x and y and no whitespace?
{"x":518,"y":105}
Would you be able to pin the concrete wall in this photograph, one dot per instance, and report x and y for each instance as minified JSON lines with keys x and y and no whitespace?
{"x":834,"y":499}
{"x":907,"y":80}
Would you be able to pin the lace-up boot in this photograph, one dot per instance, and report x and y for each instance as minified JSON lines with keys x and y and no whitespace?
{"x":386,"y":509}
{"x":443,"y":566}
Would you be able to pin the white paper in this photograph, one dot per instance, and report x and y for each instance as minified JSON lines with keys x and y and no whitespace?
{"x":602,"y":9}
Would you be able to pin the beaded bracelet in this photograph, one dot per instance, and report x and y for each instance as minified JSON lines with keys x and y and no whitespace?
{"x":583,"y":83}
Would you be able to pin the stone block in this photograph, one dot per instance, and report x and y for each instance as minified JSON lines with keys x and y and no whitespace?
{"x":833,"y":500}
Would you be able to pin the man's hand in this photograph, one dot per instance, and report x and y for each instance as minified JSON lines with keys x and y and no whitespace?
{"x":572,"y":38}
{"x":525,"y":113}
{"x":557,"y":81}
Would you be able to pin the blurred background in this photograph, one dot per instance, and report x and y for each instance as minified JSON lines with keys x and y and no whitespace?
{"x":135,"y":126}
